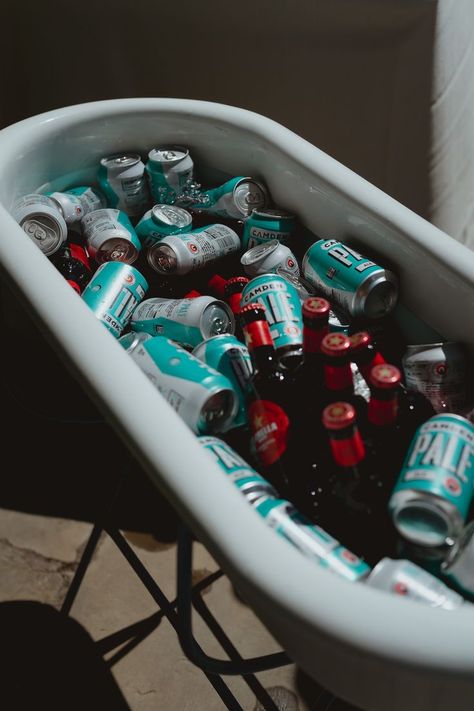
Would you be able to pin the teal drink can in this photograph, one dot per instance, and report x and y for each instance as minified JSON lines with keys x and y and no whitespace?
{"x":186,"y":321}
{"x":265,"y":225}
{"x":170,"y":170}
{"x":201,"y":396}
{"x":313,"y":541}
{"x":161,"y":221}
{"x":282,"y":309}
{"x":431,"y":499}
{"x":235,"y":199}
{"x":113,"y":293}
{"x":251,"y":484}
{"x":230,"y":357}
{"x":122,"y":180}
{"x":354,"y":283}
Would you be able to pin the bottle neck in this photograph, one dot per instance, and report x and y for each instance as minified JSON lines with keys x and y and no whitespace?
{"x":312,"y":337}
{"x":260,"y":345}
{"x":347,"y":447}
{"x":366,"y":361}
{"x":382,"y":410}
{"x":338,"y":374}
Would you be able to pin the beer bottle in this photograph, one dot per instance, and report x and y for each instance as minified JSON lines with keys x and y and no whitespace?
{"x":338,"y":380}
{"x":364,"y":354}
{"x":233,"y":294}
{"x":73,"y":263}
{"x":269,"y":399}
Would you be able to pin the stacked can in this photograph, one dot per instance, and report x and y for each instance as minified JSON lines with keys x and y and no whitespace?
{"x":40,"y":218}
{"x":186,"y":321}
{"x":247,"y":480}
{"x":110,"y":236}
{"x":201,"y":396}
{"x":169,"y":170}
{"x":75,"y":203}
{"x":122,"y":180}
{"x":113,"y":293}
{"x":161,"y":221}
{"x":266,"y":225}
{"x":235,"y":199}
{"x":268,"y":258}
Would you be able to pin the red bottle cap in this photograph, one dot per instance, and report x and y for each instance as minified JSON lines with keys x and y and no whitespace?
{"x":74,"y":285}
{"x":235,"y":285}
{"x":316,"y":308}
{"x":385,"y":376}
{"x":217,"y":284}
{"x":193,"y":294}
{"x":338,"y":416}
{"x":335,"y":344}
{"x":360,"y":341}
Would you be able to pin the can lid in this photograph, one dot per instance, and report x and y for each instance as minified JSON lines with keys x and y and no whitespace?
{"x":121,"y":160}
{"x":338,"y":416}
{"x":360,"y":340}
{"x":426,"y":521}
{"x":255,"y":254}
{"x":219,"y":410}
{"x":216,"y":319}
{"x":116,"y":249}
{"x":162,"y":258}
{"x":316,"y":307}
{"x":248,"y":195}
{"x":171,"y":215}
{"x":46,"y":231}
{"x":385,"y":376}
{"x":377,"y":296}
{"x":273,"y":214}
{"x":168,"y":154}
{"x":335,"y":344}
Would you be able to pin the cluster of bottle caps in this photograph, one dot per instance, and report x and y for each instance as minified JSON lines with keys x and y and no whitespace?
{"x":287,"y":348}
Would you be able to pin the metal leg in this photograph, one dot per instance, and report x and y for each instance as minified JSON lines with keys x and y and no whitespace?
{"x":86,"y":558}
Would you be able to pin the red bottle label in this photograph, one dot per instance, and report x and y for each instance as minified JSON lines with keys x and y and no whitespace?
{"x":382,"y":412}
{"x":79,"y":253}
{"x":256,"y":334}
{"x":269,"y":424}
{"x":348,"y":452}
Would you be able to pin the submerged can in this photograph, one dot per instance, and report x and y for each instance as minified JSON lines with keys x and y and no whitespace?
{"x":161,"y":221}
{"x":251,"y":484}
{"x":113,"y":293}
{"x":230,"y":357}
{"x":184,"y":253}
{"x":439,"y":371}
{"x":235,"y":199}
{"x":40,"y":218}
{"x":201,"y":396}
{"x":186,"y":321}
{"x":263,"y":226}
{"x":122,"y":179}
{"x":282,"y":309}
{"x":170,"y":169}
{"x":268,"y":258}
{"x":431,"y":499}
{"x":75,"y":203}
{"x":354,"y":283}
{"x":407,"y":579}
{"x":459,"y":564}
{"x":313,"y":541}
{"x":110,"y":236}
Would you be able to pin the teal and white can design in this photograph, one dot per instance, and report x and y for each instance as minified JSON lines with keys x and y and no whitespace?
{"x":249,"y":482}
{"x":235,"y":199}
{"x":113,"y":293}
{"x":354,"y":283}
{"x":75,"y":203}
{"x":161,"y":221}
{"x":201,"y":396}
{"x":282,"y":307}
{"x":110,"y":236}
{"x":230,"y":357}
{"x":123,"y":182}
{"x":186,"y":321}
{"x":431,"y":499}
{"x":265,"y":225}
{"x":313,"y":541}
{"x":170,"y":169}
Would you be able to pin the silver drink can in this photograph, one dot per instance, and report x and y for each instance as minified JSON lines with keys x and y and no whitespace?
{"x":251,"y":484}
{"x":230,"y":357}
{"x":439,"y":371}
{"x":75,"y":203}
{"x":122,"y":180}
{"x":186,"y":321}
{"x":201,"y":396}
{"x":269,"y":257}
{"x":170,"y":169}
{"x":354,"y":283}
{"x":402,"y":577}
{"x":184,"y":253}
{"x":302,"y":286}
{"x":110,"y":236}
{"x":459,"y":564}
{"x":161,"y":221}
{"x":41,"y":219}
